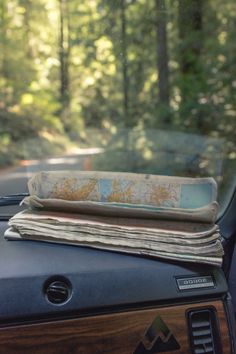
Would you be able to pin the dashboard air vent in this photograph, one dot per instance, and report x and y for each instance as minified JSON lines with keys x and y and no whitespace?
{"x":204,"y":332}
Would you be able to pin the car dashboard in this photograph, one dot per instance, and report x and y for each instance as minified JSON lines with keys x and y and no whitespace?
{"x":67,"y":299}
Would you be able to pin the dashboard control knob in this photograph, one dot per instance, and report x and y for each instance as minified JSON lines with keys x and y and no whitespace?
{"x":57,"y":292}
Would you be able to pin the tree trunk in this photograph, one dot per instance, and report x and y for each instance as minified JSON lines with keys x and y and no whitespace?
{"x":191,"y":42}
{"x":64,"y":55}
{"x":27,"y":31}
{"x":190,"y":28}
{"x":4,"y":98}
{"x":162,"y":57}
{"x":124,"y":64}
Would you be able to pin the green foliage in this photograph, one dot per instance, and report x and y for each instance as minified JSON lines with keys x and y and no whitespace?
{"x":94,"y":63}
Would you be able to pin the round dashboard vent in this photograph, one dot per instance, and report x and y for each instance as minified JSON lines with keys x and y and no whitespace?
{"x":57,"y":291}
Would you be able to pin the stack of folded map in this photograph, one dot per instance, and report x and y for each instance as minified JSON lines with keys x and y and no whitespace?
{"x":158,"y":216}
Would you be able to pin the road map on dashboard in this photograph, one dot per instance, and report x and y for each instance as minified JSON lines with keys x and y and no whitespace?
{"x":121,"y":212}
{"x":127,"y":188}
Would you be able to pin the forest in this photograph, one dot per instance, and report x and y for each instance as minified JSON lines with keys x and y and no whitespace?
{"x":133,"y":76}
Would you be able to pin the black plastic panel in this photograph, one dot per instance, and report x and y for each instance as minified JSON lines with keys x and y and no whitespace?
{"x":227,"y":220}
{"x":97,"y":278}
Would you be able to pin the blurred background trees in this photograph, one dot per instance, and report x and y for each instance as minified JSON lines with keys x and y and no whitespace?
{"x":78,"y":63}
{"x":70,"y":65}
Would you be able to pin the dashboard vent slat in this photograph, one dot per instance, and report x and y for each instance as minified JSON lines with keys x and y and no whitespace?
{"x":202,"y":340}
{"x":204,"y":332}
{"x":200,"y":324}
{"x":202,"y":351}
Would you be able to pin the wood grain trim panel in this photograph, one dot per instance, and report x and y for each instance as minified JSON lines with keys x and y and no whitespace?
{"x":118,"y":333}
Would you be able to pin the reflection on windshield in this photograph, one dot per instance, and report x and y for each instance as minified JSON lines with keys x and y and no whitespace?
{"x":130,"y":150}
{"x":127,"y":85}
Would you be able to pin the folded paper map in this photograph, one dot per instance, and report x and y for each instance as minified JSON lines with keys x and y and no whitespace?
{"x":205,"y":214}
{"x":128,"y":188}
{"x":144,"y":237}
{"x":148,"y":215}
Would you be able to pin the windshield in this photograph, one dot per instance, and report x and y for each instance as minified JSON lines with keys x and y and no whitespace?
{"x":145,"y":86}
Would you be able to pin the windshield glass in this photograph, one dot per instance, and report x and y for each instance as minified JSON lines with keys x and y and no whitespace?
{"x":146,"y":86}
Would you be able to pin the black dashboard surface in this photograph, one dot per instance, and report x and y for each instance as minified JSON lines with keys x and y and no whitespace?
{"x":97,"y":278}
